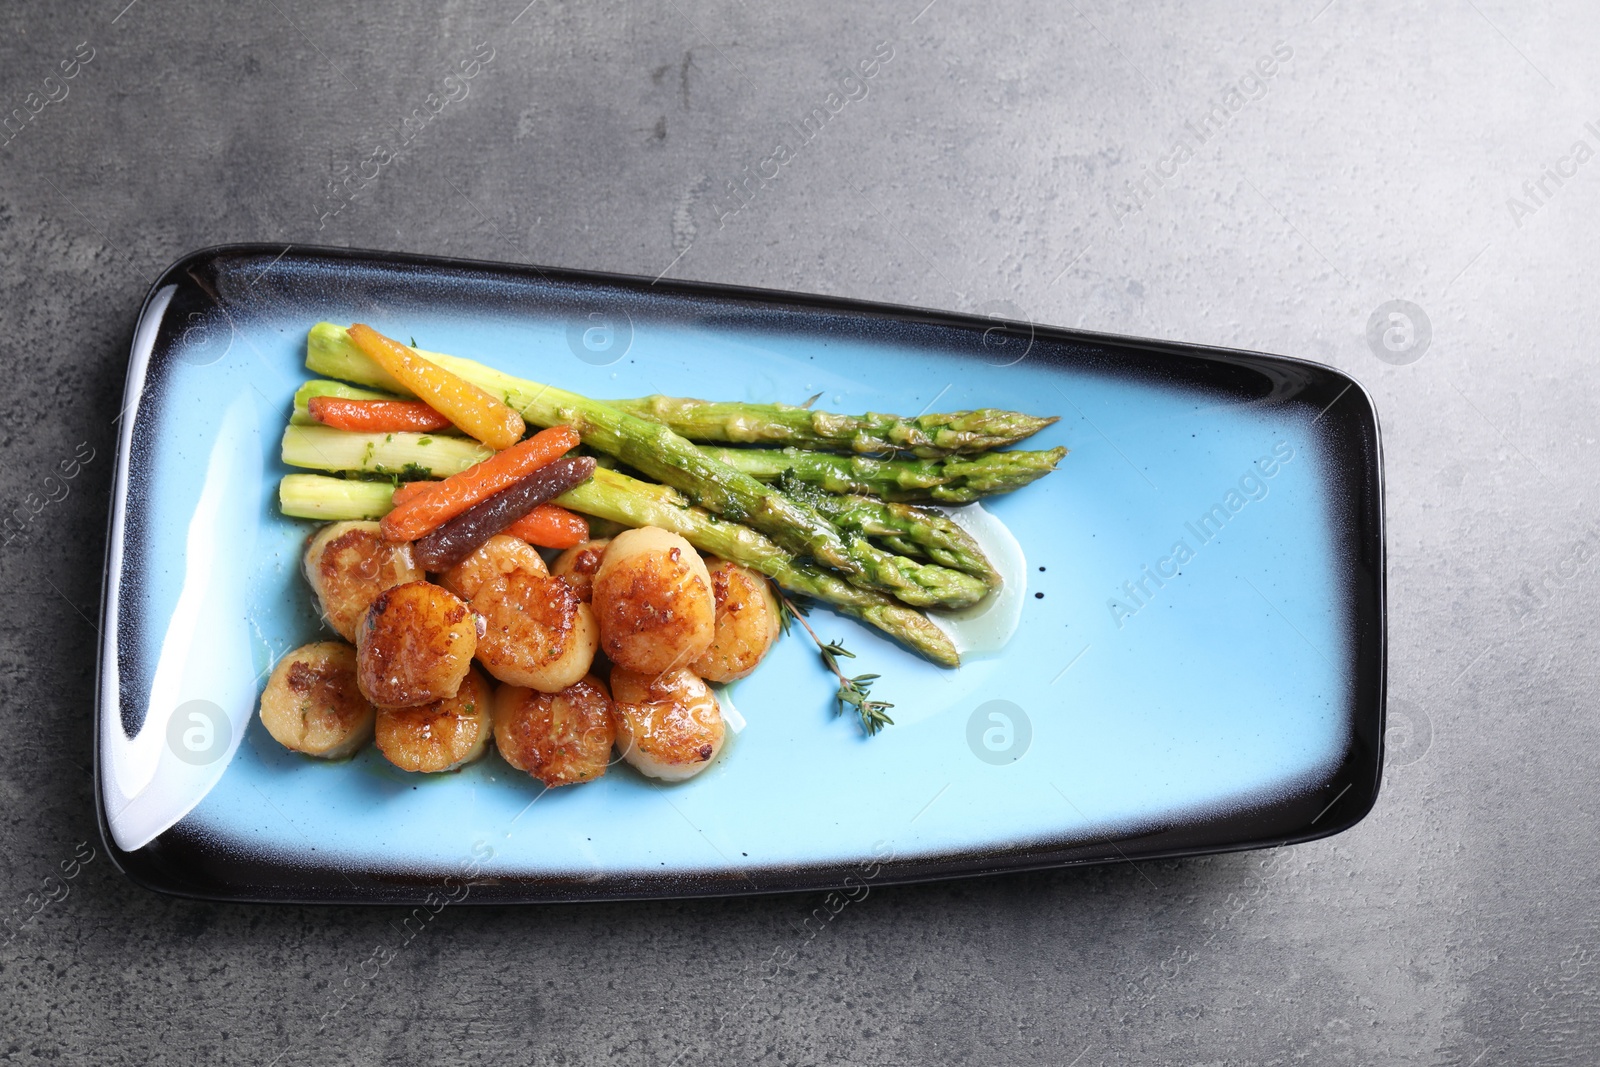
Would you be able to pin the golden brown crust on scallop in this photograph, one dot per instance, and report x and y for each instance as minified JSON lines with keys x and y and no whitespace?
{"x":537,"y":633}
{"x":347,"y":565}
{"x":669,"y":726}
{"x":747,"y":622}
{"x":442,"y":735}
{"x":652,"y":599}
{"x":559,"y":738}
{"x":312,"y":704}
{"x":501,"y":555}
{"x":414,"y":646}
{"x":578,"y":565}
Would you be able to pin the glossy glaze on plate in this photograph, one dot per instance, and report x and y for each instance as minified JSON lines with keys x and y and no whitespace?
{"x":1156,"y":701}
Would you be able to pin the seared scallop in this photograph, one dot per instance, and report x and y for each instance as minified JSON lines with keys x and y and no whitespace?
{"x":348,"y":564}
{"x":652,"y":597}
{"x":669,"y":725}
{"x":442,"y":735}
{"x":559,"y":738}
{"x":502,"y":554}
{"x":578,"y":565}
{"x":747,"y":621}
{"x":537,"y":633}
{"x":414,"y":645}
{"x":312,"y":704}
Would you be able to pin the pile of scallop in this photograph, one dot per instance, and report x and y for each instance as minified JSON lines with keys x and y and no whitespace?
{"x":609,"y":647}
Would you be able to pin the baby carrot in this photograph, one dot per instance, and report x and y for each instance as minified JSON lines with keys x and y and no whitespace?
{"x":442,"y":501}
{"x":464,"y":534}
{"x":376,"y":416}
{"x":550,"y":526}
{"x":464,"y":404}
{"x":406,"y":490}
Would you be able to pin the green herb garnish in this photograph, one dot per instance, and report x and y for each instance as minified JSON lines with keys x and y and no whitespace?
{"x":853,"y":692}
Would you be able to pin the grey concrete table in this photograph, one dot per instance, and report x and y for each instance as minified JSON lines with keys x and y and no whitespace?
{"x":1264,"y":179}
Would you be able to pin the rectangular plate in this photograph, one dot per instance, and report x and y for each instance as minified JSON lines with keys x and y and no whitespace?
{"x":1200,"y":665}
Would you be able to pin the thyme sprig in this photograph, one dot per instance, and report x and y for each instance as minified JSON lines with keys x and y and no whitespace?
{"x":853,"y":692}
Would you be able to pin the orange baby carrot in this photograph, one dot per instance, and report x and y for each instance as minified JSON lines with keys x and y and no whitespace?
{"x":442,"y":501}
{"x":550,"y":526}
{"x":376,"y":416}
{"x":464,"y":404}
{"x":406,"y":490}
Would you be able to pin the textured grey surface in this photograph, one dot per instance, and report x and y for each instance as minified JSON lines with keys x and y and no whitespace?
{"x":988,"y":166}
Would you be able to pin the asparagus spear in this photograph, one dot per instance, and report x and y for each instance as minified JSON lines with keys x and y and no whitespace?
{"x":409,"y":455}
{"x":902,"y":528}
{"x":918,"y":533}
{"x":660,"y":453}
{"x":317,"y":496}
{"x":958,"y":480}
{"x":929,"y":436}
{"x":615,"y":497}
